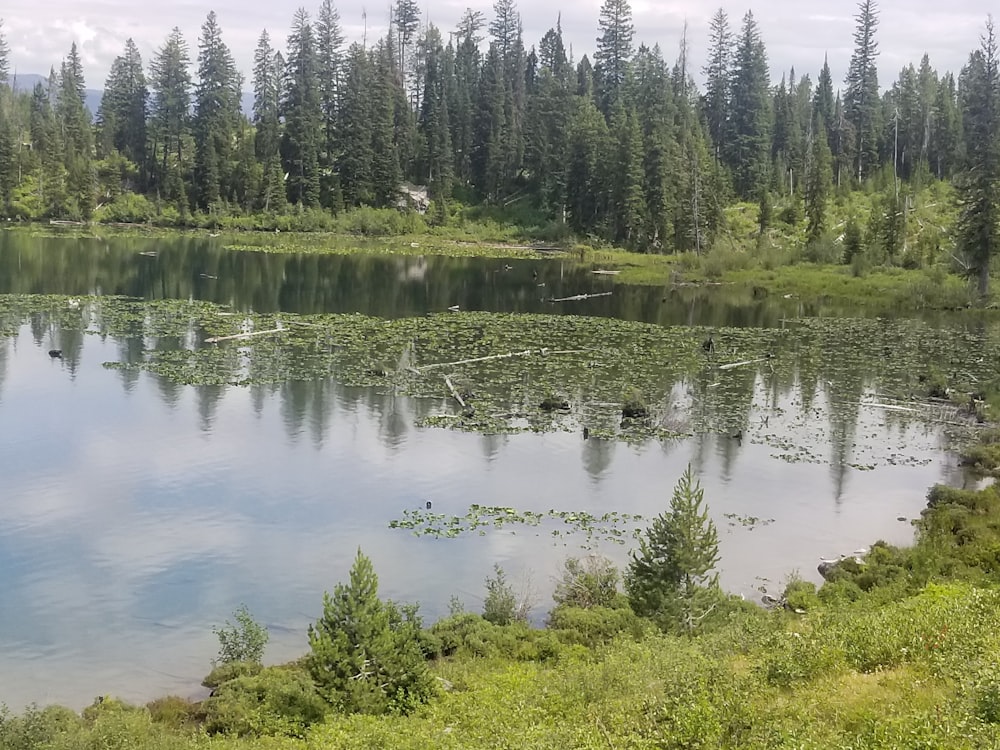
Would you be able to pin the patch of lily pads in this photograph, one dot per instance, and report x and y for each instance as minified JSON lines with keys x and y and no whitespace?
{"x":849,"y":392}
{"x":612,"y":527}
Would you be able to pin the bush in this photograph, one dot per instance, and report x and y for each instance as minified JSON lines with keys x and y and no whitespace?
{"x":242,"y":642}
{"x":276,"y":701}
{"x":501,"y":606}
{"x":591,"y":582}
{"x":127,"y":208}
{"x":470,"y":634}
{"x":382,"y":222}
{"x":175,"y":712}
{"x":36,"y":727}
{"x":230,"y":671}
{"x":801,"y":595}
{"x":825,"y":250}
{"x":594,"y":626}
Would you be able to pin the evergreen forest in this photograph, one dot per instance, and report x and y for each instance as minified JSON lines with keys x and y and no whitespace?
{"x":622,"y":148}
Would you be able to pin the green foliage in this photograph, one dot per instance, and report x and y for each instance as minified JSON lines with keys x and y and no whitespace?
{"x":274,"y":701}
{"x":35,"y":727}
{"x":501,"y":605}
{"x":594,"y":626}
{"x":591,"y":582}
{"x":366,"y":654}
{"x":230,"y":671}
{"x":670,"y":578}
{"x":243,"y":641}
{"x":470,"y":635}
{"x":175,"y":712}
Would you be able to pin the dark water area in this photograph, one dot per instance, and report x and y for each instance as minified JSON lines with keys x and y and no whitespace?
{"x":136,"y":513}
{"x":378,"y":285}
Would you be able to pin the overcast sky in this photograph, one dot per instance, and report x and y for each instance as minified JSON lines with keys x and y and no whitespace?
{"x":795,"y":33}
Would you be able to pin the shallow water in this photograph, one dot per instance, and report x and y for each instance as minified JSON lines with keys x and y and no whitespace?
{"x":136,"y":514}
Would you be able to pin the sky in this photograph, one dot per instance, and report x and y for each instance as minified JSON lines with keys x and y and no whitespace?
{"x":795,"y":35}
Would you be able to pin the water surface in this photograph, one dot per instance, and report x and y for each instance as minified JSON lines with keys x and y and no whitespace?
{"x":136,"y":514}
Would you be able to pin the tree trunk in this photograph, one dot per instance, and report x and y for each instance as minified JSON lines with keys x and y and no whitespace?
{"x":984,"y":280}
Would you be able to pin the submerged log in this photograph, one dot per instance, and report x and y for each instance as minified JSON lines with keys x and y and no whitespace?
{"x":217,"y":339}
{"x":578,"y":297}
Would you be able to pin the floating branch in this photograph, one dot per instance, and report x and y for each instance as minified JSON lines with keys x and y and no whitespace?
{"x":578,"y":297}
{"x":732,"y":365}
{"x":526,"y":353}
{"x":217,"y":339}
{"x":454,"y":392}
{"x":604,"y":272}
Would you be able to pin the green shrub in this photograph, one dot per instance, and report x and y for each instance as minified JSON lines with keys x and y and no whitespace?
{"x":501,"y":605}
{"x":230,"y":671}
{"x":471,"y":635}
{"x":35,"y":727}
{"x":797,"y":657}
{"x":276,"y":701}
{"x":591,"y":582}
{"x":129,"y":208}
{"x":594,"y":626}
{"x":175,"y":712}
{"x":801,"y":595}
{"x":242,"y":642}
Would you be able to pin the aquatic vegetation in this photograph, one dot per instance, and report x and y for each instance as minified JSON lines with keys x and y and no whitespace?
{"x":612,"y":527}
{"x":846,"y":379}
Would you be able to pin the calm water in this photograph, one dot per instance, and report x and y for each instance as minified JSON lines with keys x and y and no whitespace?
{"x":135,"y":514}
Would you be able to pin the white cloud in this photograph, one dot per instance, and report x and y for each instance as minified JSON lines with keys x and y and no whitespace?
{"x":794,"y":36}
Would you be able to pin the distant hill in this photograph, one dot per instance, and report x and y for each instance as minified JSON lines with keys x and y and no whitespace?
{"x":92,"y":97}
{"x":27,"y":81}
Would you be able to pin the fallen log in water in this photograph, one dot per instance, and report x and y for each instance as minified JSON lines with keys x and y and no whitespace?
{"x":577,"y":297}
{"x":731,"y":365}
{"x":217,"y":339}
{"x":454,"y":392}
{"x":526,"y":353}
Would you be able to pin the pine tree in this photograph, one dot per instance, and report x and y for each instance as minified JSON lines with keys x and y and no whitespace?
{"x":944,"y":147}
{"x":550,"y":110}
{"x":718,"y":82}
{"x":329,"y":43}
{"x":614,"y":52}
{"x":585,"y":167}
{"x":406,"y":19}
{"x":365,"y":653}
{"x":824,"y":106}
{"x":671,"y":578}
{"x":656,"y":108}
{"x":818,"y":182}
{"x":4,"y":56}
{"x":356,"y":128}
{"x":626,"y":198}
{"x":74,"y":122}
{"x":170,"y":80}
{"x":216,"y":115}
{"x":464,"y":94}
{"x":268,"y":69}
{"x":434,"y":124}
{"x":979,"y":190}
{"x":751,"y":113}
{"x":303,"y":116}
{"x":121,"y":118}
{"x":384,"y":129}
{"x":861,"y":101}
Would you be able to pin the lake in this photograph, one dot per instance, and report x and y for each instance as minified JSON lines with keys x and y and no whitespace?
{"x":137,"y":512}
